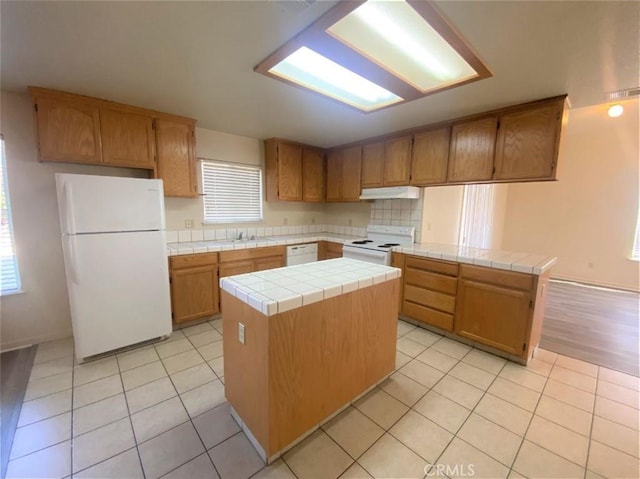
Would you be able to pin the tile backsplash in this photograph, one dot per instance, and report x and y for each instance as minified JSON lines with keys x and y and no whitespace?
{"x":398,"y":212}
{"x":183,"y":236}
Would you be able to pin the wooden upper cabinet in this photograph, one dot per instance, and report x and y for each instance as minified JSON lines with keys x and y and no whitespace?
{"x":527,"y":143}
{"x":334,"y":175}
{"x":313,"y":182}
{"x":429,"y":156}
{"x":343,"y":174}
{"x":289,"y":172}
{"x":67,"y":130}
{"x":351,"y":171}
{"x":373,"y":165}
{"x":79,"y":129}
{"x":397,"y":161}
{"x":294,"y":172}
{"x":472,"y":150}
{"x":386,"y":163}
{"x":175,"y":147}
{"x":127,"y":139}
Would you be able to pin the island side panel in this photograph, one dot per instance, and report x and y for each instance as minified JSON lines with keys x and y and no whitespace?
{"x":295,"y":368}
{"x":374,"y":329}
{"x":246,"y":365}
{"x":541,"y":286}
{"x":323,"y":355}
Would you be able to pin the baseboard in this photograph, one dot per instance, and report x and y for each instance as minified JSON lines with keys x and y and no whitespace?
{"x":40,"y":338}
{"x":594,"y":283}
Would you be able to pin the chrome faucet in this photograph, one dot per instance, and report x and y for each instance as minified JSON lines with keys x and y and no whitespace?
{"x":240,"y":235}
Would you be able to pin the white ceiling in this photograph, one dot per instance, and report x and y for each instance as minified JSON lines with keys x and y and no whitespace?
{"x":196,"y":59}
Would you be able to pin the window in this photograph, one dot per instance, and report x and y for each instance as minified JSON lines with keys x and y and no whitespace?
{"x":376,"y":53}
{"x":9,"y":277}
{"x":232,"y":192}
{"x":635,"y":254}
{"x":476,"y":223}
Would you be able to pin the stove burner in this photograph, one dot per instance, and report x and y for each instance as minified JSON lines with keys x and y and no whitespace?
{"x":362,"y":242}
{"x":388,"y":245}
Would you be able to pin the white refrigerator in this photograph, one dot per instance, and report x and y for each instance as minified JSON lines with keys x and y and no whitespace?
{"x":115,"y":256}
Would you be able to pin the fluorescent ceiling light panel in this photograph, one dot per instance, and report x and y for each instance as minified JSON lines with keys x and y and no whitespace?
{"x":399,"y":39}
{"x":316,"y":72}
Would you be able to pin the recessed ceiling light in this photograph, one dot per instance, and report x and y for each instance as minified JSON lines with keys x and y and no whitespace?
{"x":376,"y":53}
{"x":615,"y":110}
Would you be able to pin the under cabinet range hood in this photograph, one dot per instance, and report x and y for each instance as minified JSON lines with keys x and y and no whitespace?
{"x":390,"y":193}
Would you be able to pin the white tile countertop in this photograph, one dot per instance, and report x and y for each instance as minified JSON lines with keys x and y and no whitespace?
{"x":521,"y":262}
{"x":282,"y":289}
{"x":190,"y":247}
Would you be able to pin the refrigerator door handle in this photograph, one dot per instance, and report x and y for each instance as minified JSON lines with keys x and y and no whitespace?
{"x":69,"y":212}
{"x":69,"y":242}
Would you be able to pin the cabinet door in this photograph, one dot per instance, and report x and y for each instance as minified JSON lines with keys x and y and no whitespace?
{"x":472,"y":150}
{"x":527,"y":144}
{"x":236,"y":267}
{"x":194,"y":292}
{"x":397,"y":161}
{"x":127,"y":139}
{"x":373,"y":165}
{"x":351,"y":169}
{"x":312,"y":175}
{"x":334,"y":176}
{"x":289,"y":172}
{"x":68,"y":131}
{"x":493,"y":315}
{"x":429,"y":156}
{"x":176,"y":157}
{"x":271,"y":262}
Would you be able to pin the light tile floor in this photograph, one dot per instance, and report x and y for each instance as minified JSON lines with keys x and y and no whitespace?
{"x":160,"y":411}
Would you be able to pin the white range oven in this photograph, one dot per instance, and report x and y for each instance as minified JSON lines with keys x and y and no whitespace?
{"x":377,"y":247}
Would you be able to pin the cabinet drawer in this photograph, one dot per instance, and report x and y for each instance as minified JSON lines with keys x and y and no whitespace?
{"x":434,"y":281}
{"x":509,"y":279}
{"x":426,"y":297}
{"x":187,"y":260}
{"x":428,"y":315}
{"x":236,"y":267}
{"x":251,"y":253}
{"x":442,"y":267}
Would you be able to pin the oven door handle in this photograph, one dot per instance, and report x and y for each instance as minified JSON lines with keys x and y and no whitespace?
{"x":378,"y":257}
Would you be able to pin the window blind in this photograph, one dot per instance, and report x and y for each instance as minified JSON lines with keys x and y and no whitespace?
{"x":232,"y":193}
{"x":9,"y":277}
{"x":476,"y":223}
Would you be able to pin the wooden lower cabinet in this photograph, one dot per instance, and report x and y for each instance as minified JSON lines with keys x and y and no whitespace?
{"x":329,"y":250}
{"x":430,"y":291}
{"x":252,"y":259}
{"x":235,"y":267}
{"x":195,"y":292}
{"x":500,"y":309}
{"x":493,"y":315}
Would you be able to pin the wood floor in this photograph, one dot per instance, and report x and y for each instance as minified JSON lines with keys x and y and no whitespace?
{"x":593,"y":324}
{"x":15,"y":368}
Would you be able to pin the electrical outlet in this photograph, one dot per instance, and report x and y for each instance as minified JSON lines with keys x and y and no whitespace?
{"x":188,"y":224}
{"x":241,"y":333}
{"x":285,"y":221}
{"x":313,"y":220}
{"x":350,"y":222}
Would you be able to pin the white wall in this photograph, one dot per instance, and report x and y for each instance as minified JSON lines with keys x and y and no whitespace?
{"x":588,"y":217}
{"x":41,"y":312}
{"x":441,"y":214}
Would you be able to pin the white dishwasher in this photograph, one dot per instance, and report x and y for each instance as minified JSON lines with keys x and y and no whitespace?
{"x":302,"y":253}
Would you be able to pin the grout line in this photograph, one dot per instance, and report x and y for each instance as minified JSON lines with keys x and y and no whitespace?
{"x":593,"y":416}
{"x":133,"y":432}
{"x":206,"y":451}
{"x":71,"y":447}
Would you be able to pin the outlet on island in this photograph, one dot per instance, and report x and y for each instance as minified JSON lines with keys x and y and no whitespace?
{"x":188,"y":224}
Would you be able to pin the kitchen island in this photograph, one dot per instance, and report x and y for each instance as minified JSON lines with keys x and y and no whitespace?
{"x":302,"y":342}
